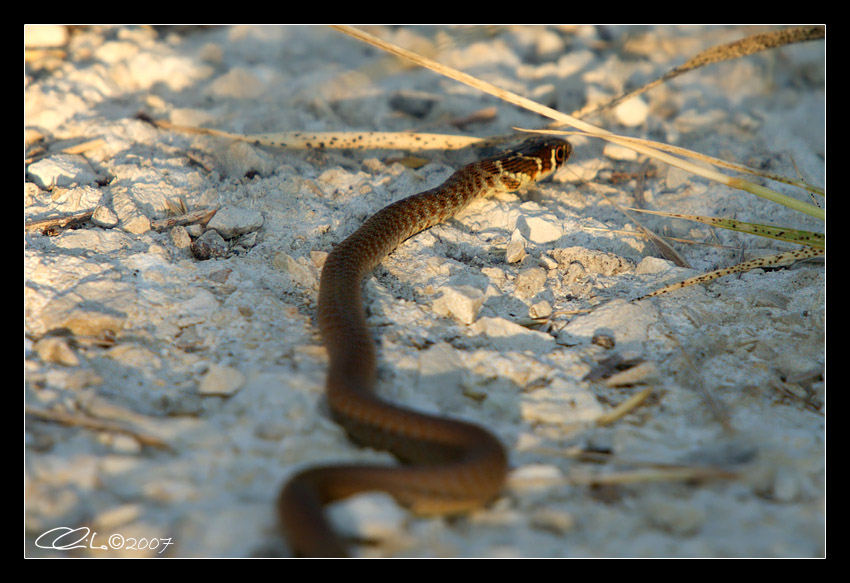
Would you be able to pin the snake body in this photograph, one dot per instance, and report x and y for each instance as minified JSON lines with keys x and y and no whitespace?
{"x":449,"y":466}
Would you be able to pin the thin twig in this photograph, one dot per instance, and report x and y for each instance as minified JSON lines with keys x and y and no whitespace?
{"x":201,"y":216}
{"x":58,"y":222}
{"x":96,"y":424}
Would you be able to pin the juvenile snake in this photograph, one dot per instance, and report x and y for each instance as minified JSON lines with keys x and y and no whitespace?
{"x":450,"y":466}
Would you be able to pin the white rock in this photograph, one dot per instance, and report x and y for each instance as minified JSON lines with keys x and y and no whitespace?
{"x":374,"y":516}
{"x":530,"y":282}
{"x":508,"y":335}
{"x":618,"y":152}
{"x":104,"y":217}
{"x":231,"y":222}
{"x":632,"y":112}
{"x":560,"y":403}
{"x":301,"y":274}
{"x":462,"y":302}
{"x":439,"y":367}
{"x":541,"y":309}
{"x":540,"y":229}
{"x":56,"y":350}
{"x":515,"y":251}
{"x":63,"y":170}
{"x":221,"y":380}
{"x":630,"y":323}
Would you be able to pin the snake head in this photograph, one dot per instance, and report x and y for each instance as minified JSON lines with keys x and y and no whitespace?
{"x":533,"y":160}
{"x":550,"y":151}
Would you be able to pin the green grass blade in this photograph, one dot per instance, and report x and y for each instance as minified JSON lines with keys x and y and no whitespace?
{"x":798,"y":236}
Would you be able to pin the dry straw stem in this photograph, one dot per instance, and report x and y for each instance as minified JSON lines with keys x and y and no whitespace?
{"x":565,"y":119}
{"x":710,"y":160}
{"x":342,"y":140}
{"x":772,"y":261}
{"x":746,"y":46}
{"x":666,"y":474}
{"x":654,"y":149}
{"x":201,"y":216}
{"x":624,"y":408}
{"x":96,"y":424}
{"x":46,"y":225}
{"x":773,"y":232}
{"x":643,"y":472}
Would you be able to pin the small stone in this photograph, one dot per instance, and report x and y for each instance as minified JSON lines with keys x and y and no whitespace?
{"x":462,"y":303}
{"x":231,"y":222}
{"x":62,"y":170}
{"x":130,"y":213}
{"x":560,"y":403}
{"x":653,"y":265}
{"x":221,"y":381}
{"x":96,"y":309}
{"x":604,"y":339}
{"x":515,"y":251}
{"x":209,"y":246}
{"x":556,"y":521}
{"x":582,"y":171}
{"x":372,"y":517}
{"x":674,"y":516}
{"x":135,"y":356}
{"x":301,"y":274}
{"x":632,"y":113}
{"x":540,"y":230}
{"x":542,"y":309}
{"x":439,"y":366}
{"x":510,"y":336}
{"x":417,"y":104}
{"x":104,"y":217}
{"x":530,"y":282}
{"x":56,"y":350}
{"x":180,"y":237}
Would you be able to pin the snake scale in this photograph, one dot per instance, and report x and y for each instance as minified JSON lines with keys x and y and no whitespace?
{"x":449,"y":466}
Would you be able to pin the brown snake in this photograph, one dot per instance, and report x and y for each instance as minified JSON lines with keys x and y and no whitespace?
{"x":451,"y":466}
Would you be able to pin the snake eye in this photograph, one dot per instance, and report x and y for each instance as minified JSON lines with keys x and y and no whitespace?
{"x":560,"y":154}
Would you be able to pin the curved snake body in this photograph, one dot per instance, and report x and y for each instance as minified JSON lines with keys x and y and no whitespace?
{"x":450,"y":466}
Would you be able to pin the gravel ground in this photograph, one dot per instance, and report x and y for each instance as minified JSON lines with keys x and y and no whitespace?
{"x":173,"y":374}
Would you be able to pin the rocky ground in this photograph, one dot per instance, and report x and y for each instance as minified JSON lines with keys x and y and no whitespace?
{"x":173,"y":372}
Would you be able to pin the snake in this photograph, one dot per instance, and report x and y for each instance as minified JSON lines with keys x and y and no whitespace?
{"x":448,"y":466}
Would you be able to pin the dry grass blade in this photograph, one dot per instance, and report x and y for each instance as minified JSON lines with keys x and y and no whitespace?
{"x":676,"y":150}
{"x":772,"y":261}
{"x":663,"y":248}
{"x":798,"y":236}
{"x":556,"y":115}
{"x":668,"y":474}
{"x":337,"y":140}
{"x":760,"y":42}
{"x":201,"y":216}
{"x":58,"y":222}
{"x":650,"y":473}
{"x":95,"y":424}
{"x":624,"y":408}
{"x":747,"y":46}
{"x":663,"y":153}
